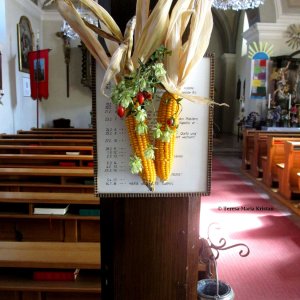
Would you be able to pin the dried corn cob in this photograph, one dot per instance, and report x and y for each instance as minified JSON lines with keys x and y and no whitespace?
{"x":167,"y":117}
{"x":139,"y":144}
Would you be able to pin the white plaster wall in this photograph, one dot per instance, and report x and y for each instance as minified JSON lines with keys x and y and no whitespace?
{"x":267,"y":12}
{"x":79,"y":104}
{"x":17,"y":112}
{"x":216,"y":47}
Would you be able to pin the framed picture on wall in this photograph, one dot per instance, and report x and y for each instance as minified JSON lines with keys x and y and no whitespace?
{"x":25,"y":43}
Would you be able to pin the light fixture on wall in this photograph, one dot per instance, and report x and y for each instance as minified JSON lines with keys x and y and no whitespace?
{"x":236,"y":4}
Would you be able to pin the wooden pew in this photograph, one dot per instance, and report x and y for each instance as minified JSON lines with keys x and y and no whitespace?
{"x":275,"y":155}
{"x":79,"y":186}
{"x":57,"y":131}
{"x":18,"y":260}
{"x":13,"y":284}
{"x":288,"y":171}
{"x":47,"y":149}
{"x":21,"y":160}
{"x":248,"y":145}
{"x":49,"y":255}
{"x":36,"y":197}
{"x":260,"y":148}
{"x":41,"y":141}
{"x":79,"y":224}
{"x":62,"y":129}
{"x":47,"y":136}
{"x":30,"y":241}
{"x":47,"y":179}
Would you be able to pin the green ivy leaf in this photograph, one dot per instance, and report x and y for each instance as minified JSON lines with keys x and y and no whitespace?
{"x":157,"y":133}
{"x":135,"y":164}
{"x":141,"y":114}
{"x":159,"y":70}
{"x":167,"y":134}
{"x":149,"y":152}
{"x":141,"y":128}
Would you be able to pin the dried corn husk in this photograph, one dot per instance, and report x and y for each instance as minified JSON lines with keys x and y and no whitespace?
{"x":121,"y":59}
{"x":178,"y":22}
{"x":142,"y":14}
{"x":187,"y":53}
{"x":116,"y":63}
{"x":198,"y":40}
{"x":111,"y":45}
{"x":153,"y":33}
{"x":104,"y":16}
{"x":69,"y":13}
{"x":128,"y":40}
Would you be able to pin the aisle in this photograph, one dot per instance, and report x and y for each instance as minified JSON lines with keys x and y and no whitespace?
{"x":272,"y":270}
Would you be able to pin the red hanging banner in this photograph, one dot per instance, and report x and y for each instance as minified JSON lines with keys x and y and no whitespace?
{"x":38,"y":69}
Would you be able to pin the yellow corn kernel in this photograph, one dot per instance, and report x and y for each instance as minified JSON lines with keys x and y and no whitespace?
{"x":164,"y":150}
{"x":139,"y":143}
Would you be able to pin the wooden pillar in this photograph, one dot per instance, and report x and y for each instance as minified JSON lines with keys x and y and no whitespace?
{"x":149,"y":248}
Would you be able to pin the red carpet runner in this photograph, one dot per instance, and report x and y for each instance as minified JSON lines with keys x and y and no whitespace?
{"x":272,"y":269}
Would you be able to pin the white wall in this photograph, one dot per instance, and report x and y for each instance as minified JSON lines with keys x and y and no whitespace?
{"x":79,"y":104}
{"x":19,"y":112}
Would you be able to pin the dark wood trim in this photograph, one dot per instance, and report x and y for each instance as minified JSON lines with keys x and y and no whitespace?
{"x":149,"y":248}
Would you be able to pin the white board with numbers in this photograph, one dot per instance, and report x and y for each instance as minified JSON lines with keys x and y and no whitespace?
{"x":192,"y":163}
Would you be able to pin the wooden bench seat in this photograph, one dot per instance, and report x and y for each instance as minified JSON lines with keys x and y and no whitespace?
{"x":46,"y":179}
{"x":64,"y":172}
{"x":287,"y":172}
{"x":275,"y":155}
{"x":46,"y":136}
{"x":48,"y":149}
{"x":13,"y":281}
{"x":57,"y":131}
{"x":30,"y":178}
{"x":38,"y":197}
{"x":50,"y":255}
{"x":18,"y":160}
{"x":70,"y":129}
{"x":41,"y":141}
{"x":248,"y":145}
{"x":29,"y":186}
{"x":261,"y":148}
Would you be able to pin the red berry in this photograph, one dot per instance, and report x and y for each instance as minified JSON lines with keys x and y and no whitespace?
{"x":147,"y":95}
{"x":121,"y":111}
{"x":170,"y":122}
{"x":140,"y":98}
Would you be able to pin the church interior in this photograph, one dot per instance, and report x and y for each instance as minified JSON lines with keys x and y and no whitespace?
{"x":60,"y":166}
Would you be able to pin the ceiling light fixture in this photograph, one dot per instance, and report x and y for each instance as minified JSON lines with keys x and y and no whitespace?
{"x":67,"y":30}
{"x":236,"y":4}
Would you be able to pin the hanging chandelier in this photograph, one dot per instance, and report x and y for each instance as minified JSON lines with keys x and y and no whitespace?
{"x":67,"y":30}
{"x":236,"y":4}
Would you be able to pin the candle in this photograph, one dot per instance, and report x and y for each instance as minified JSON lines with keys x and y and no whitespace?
{"x":290,"y":101}
{"x":269,"y":102}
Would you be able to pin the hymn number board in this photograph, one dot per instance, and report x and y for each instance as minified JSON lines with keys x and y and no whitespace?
{"x":191,"y":173}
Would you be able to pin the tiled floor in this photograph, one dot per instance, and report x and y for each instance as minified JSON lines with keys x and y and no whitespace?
{"x":228,"y":149}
